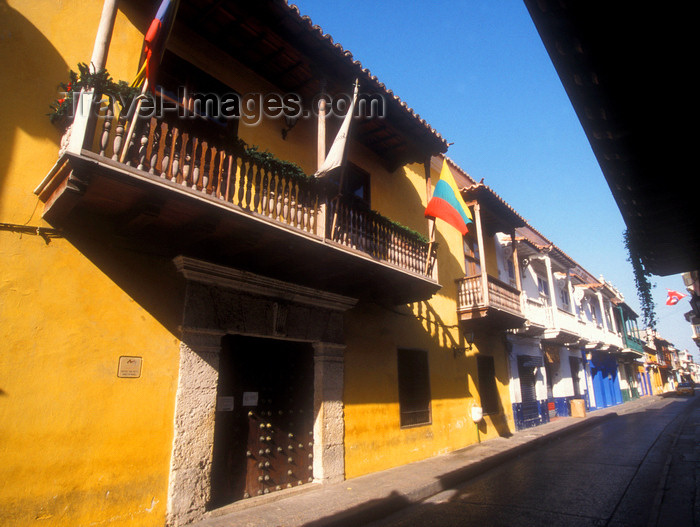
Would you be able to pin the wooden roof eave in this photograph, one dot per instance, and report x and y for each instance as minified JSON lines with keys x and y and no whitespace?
{"x":310,"y":53}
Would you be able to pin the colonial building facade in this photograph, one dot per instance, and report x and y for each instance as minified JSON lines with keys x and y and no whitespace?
{"x":191,"y":317}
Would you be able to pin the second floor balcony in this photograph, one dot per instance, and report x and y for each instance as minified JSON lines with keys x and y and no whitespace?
{"x":633,"y":343}
{"x":565,"y":328}
{"x":173,"y":191}
{"x":485,"y":299}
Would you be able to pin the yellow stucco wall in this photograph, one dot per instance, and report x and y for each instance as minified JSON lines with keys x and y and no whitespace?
{"x":374,"y":439}
{"x":78,"y":445}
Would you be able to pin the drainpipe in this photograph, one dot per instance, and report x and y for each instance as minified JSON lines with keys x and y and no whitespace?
{"x":86,"y":100}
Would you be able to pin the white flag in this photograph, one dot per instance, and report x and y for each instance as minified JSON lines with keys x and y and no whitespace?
{"x":335,"y":156}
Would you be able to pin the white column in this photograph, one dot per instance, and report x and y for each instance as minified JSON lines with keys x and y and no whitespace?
{"x":482,"y":256}
{"x":104,"y":35}
{"x":552,"y":291}
{"x":86,"y":100}
{"x":599,"y":296}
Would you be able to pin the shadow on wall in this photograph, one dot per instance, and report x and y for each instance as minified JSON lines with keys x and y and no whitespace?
{"x":373,"y":335}
{"x":150,"y":280}
{"x":32,"y":71}
{"x":411,"y":202}
{"x":495,"y":345}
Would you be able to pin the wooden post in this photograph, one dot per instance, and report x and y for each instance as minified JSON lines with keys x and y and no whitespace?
{"x":482,"y":256}
{"x":516,"y":261}
{"x":321,"y":138}
{"x":321,"y":156}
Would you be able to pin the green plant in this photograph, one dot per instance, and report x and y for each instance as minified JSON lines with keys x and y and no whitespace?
{"x":641,"y":280}
{"x":63,"y":108}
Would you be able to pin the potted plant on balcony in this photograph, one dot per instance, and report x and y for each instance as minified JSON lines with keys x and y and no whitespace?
{"x":64,"y":107}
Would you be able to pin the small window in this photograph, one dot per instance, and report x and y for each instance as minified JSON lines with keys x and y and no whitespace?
{"x":472,"y":259}
{"x":564,"y":295}
{"x":608,"y":318}
{"x":543,"y":286}
{"x":414,"y":387}
{"x":356,"y":183}
{"x":595,"y":315}
{"x":488,"y":392}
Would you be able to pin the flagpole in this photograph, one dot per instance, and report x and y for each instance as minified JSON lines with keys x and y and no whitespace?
{"x":430,"y":248}
{"x":155,"y":38}
{"x":431,"y":221}
{"x":343,"y":166}
{"x":337,"y":198}
{"x":132,"y":124}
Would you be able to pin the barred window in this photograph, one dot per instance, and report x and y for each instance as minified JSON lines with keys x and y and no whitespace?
{"x":414,"y":387}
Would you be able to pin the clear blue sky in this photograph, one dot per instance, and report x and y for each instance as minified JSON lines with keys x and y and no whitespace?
{"x":477,"y":71}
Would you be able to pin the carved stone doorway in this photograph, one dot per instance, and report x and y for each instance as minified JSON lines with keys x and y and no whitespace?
{"x":274,"y":315}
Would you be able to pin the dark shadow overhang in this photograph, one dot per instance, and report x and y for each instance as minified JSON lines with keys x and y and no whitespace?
{"x":625,"y":66}
{"x":90,"y":195}
{"x":496,"y":214}
{"x":274,"y":40}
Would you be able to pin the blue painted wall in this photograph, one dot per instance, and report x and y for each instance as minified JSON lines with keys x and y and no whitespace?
{"x":605,"y":380}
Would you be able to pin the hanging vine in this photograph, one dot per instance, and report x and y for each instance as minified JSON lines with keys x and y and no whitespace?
{"x":642,"y":281}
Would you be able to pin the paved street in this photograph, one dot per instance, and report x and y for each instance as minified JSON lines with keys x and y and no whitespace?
{"x":640,"y":469}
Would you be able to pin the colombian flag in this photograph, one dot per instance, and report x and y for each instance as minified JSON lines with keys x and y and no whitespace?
{"x":154,"y":42}
{"x":447,"y":203}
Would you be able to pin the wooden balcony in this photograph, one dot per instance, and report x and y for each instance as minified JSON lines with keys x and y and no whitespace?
{"x":178,"y":193}
{"x":633,"y":345}
{"x":499,"y":307}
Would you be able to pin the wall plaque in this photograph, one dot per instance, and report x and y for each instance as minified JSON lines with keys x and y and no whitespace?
{"x":129,"y":367}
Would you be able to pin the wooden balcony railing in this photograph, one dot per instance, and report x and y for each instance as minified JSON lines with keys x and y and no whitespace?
{"x":172,"y":152}
{"x":503,"y":299}
{"x":372,"y":234}
{"x":178,"y":152}
{"x":633,"y":342}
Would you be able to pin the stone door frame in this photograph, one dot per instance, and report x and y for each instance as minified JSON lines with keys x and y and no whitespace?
{"x":220,"y":301}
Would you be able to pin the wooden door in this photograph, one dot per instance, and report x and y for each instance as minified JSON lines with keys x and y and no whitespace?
{"x":265,"y":443}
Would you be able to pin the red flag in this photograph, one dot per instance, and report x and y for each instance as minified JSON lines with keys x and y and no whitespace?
{"x":674,"y":297}
{"x":156,"y":36}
